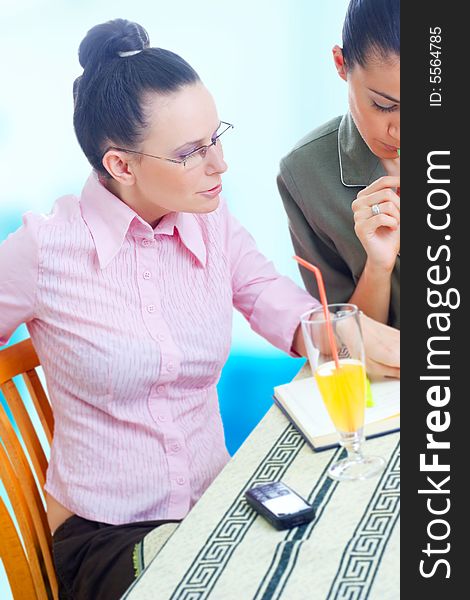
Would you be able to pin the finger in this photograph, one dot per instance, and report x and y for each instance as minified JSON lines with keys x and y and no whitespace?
{"x":377,"y":370}
{"x":388,"y":181}
{"x":386,"y":195}
{"x":371,"y":225}
{"x":390,"y":209}
{"x":386,"y":208}
{"x":382,"y":221}
{"x":382,"y":342}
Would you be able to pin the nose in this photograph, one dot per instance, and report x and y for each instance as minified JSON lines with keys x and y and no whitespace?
{"x":394,"y":130}
{"x":215,"y":162}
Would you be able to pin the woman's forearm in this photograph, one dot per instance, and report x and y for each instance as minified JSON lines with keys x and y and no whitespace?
{"x":298,"y":344}
{"x":372,"y":293}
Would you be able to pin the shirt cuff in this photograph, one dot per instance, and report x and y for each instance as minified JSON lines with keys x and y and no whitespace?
{"x":277,"y":311}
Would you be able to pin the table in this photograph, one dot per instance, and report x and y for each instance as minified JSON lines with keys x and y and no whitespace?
{"x":224,"y":551}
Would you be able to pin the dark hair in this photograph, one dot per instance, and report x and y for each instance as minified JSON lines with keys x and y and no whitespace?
{"x":371,"y":30}
{"x":109,"y":96}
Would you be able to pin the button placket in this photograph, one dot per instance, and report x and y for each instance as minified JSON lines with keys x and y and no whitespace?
{"x":146,"y":257}
{"x":173,"y":444}
{"x":160,"y":410}
{"x":170,"y":356}
{"x":156,"y":325}
{"x":179,"y":477}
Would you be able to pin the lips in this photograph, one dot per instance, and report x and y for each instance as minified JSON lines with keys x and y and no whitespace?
{"x":213,"y":191}
{"x":390,"y":148}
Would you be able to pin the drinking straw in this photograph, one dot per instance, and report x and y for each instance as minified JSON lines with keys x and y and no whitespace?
{"x":324,"y":301}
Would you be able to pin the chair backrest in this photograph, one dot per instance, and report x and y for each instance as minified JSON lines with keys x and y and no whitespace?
{"x":14,"y":558}
{"x":23,"y":476}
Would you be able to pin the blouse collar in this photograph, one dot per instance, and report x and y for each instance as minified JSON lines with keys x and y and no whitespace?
{"x":109,"y":219}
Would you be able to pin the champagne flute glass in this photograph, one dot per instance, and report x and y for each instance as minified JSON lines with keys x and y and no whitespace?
{"x":336,"y":354}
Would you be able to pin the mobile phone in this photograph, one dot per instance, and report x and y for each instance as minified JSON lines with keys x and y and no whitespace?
{"x":280,"y":505}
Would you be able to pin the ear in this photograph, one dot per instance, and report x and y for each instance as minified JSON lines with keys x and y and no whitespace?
{"x":117,"y":164}
{"x":339,"y":62}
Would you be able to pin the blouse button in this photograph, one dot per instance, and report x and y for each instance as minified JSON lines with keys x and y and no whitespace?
{"x":151,"y":308}
{"x":170,"y":366}
{"x":161,"y":418}
{"x":147,"y":242}
{"x":147,"y":274}
{"x":175,"y":447}
{"x":180,"y":480}
{"x":161,"y":337}
{"x":161,"y":389}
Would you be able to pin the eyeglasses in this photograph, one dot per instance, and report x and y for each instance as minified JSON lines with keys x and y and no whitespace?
{"x":191,"y":160}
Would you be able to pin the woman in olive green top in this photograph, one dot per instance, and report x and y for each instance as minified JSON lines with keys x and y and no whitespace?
{"x":340,"y":184}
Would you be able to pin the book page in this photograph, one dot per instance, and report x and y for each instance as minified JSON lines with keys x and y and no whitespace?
{"x":302,"y":400}
{"x":386,"y":397}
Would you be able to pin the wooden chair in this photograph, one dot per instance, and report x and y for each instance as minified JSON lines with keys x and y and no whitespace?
{"x":29,"y":566}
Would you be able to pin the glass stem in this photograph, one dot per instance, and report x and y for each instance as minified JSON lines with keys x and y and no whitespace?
{"x":353,"y":443}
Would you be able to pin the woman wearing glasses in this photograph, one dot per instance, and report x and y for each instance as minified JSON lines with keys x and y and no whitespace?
{"x":339,"y":184}
{"x":128,"y":294}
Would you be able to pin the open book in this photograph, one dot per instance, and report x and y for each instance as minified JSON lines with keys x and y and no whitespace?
{"x":302,"y":403}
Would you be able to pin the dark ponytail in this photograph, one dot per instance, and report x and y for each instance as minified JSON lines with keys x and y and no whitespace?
{"x":119,"y":69}
{"x":371,"y":30}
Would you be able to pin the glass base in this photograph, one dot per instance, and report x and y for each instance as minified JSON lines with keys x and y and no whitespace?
{"x":350,"y":469}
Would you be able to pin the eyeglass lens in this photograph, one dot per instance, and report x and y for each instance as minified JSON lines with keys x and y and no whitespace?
{"x":196,"y":157}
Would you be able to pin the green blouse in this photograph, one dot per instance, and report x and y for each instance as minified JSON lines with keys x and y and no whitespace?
{"x":318,"y":181}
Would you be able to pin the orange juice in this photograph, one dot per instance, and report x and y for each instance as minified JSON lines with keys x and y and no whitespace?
{"x":344,"y":393}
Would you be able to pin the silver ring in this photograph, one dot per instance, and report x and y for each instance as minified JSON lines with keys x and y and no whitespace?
{"x":375,"y":208}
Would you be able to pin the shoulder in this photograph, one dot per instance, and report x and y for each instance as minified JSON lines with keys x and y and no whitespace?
{"x":64,"y":211}
{"x":323,"y":134}
{"x":317,"y":149}
{"x":317,"y":139}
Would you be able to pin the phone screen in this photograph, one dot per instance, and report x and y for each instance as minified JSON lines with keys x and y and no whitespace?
{"x":279,"y":499}
{"x":286,"y":504}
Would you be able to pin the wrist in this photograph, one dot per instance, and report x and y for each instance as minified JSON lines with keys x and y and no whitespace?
{"x":298,"y":345}
{"x":378,"y":270}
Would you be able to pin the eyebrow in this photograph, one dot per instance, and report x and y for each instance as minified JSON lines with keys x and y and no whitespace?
{"x":391,"y":98}
{"x":199,"y":143}
{"x":195,"y":143}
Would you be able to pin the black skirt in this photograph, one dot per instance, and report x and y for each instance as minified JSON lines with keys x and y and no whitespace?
{"x":97,"y":561}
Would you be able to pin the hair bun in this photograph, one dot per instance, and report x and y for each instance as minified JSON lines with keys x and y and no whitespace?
{"x":105,"y":41}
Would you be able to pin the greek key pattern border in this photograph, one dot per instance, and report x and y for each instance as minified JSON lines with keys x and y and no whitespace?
{"x":363,"y":554}
{"x":286,"y":554}
{"x":205,"y":570}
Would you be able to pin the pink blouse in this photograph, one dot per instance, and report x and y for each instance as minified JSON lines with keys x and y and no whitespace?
{"x":133,"y":326}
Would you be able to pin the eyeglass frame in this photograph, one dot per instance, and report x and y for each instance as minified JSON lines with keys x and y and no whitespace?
{"x":174,"y":160}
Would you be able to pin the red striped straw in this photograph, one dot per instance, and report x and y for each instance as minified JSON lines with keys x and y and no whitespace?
{"x":324,"y":301}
